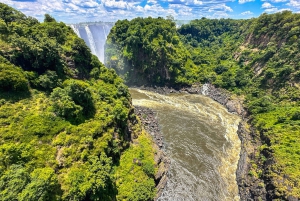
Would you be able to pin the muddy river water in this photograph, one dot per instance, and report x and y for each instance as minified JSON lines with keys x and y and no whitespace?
{"x":200,"y":137}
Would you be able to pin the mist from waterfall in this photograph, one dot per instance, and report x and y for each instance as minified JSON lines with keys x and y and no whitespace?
{"x":94,"y":35}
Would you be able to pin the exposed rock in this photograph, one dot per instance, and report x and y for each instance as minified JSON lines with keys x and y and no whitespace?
{"x":148,"y":119}
{"x":162,"y":169}
{"x":291,"y":198}
{"x":160,"y":187}
{"x":150,"y":123}
{"x":233,"y":106}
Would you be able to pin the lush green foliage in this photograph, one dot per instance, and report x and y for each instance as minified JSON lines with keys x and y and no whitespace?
{"x":147,"y":51}
{"x":132,"y":176}
{"x":64,"y":118}
{"x":12,"y":78}
{"x":212,"y":43}
{"x":257,"y":59}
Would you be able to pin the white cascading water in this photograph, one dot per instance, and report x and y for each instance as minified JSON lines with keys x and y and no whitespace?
{"x":104,"y":32}
{"x":91,"y":39}
{"x":94,"y":35}
{"x":75,"y":29}
{"x":204,"y":89}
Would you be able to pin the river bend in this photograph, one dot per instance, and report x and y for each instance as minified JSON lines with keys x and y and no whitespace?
{"x":201,"y":140}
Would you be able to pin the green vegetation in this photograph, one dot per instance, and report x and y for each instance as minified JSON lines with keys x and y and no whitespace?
{"x":133,"y":180}
{"x":66,"y":120}
{"x":147,"y":50}
{"x":257,"y":59}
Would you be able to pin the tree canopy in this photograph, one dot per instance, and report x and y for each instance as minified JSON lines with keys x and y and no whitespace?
{"x":147,"y":50}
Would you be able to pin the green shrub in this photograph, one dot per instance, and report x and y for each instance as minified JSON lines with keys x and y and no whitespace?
{"x":220,"y":69}
{"x":296,"y":115}
{"x":260,"y":105}
{"x":80,"y":93}
{"x":12,"y":78}
{"x":49,"y":80}
{"x":43,"y":125}
{"x":43,"y":186}
{"x":64,"y":106}
{"x":74,"y":101}
{"x":12,"y":182}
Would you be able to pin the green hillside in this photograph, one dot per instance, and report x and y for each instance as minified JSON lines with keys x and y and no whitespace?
{"x":66,"y":121}
{"x":147,"y":51}
{"x":257,"y":59}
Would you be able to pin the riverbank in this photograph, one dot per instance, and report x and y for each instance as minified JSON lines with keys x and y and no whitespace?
{"x":250,"y":187}
{"x":150,"y":123}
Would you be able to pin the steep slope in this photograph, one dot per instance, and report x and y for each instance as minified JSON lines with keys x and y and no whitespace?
{"x":66,"y":121}
{"x":271,"y":51}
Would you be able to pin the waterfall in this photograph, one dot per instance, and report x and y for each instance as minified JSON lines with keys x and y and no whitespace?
{"x":104,"y":33}
{"x":75,"y":29}
{"x":205,"y":88}
{"x":94,"y":35}
{"x":91,"y":39}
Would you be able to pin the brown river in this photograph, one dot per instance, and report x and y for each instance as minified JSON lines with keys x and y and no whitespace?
{"x":200,"y":137}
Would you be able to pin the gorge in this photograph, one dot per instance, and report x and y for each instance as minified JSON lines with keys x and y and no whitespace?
{"x":245,"y":62}
{"x":69,"y":129}
{"x":253,"y":61}
{"x":203,"y":145}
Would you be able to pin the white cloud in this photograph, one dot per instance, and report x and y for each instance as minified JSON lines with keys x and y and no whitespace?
{"x":247,"y":13}
{"x":271,"y":10}
{"x":218,"y":15}
{"x":275,"y":1}
{"x":109,"y":10}
{"x":115,"y":4}
{"x":152,"y":1}
{"x":220,"y":7}
{"x":267,"y":5}
{"x":139,"y":9}
{"x":90,"y":4}
{"x":275,"y":10}
{"x":245,"y":1}
{"x":294,"y":3}
{"x":184,"y":13}
{"x":196,"y":2}
{"x":278,"y":1}
{"x":36,"y":8}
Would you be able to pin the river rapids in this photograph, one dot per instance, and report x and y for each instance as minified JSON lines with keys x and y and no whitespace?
{"x":201,"y":140}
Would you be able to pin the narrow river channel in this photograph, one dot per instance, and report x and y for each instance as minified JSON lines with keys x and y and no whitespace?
{"x":201,"y":140}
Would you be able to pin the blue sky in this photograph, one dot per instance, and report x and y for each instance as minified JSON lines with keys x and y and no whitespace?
{"x":74,"y":11}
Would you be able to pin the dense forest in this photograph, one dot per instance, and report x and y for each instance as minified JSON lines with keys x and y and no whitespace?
{"x":67,"y":126}
{"x":256,"y":60}
{"x":147,"y":51}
